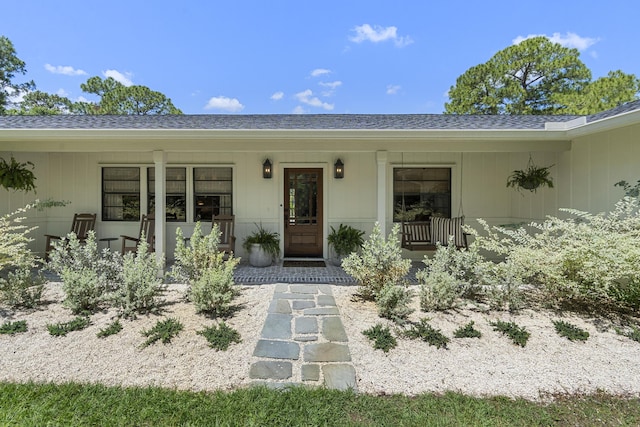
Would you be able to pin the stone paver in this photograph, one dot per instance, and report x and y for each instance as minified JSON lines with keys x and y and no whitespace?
{"x":339,"y":376}
{"x":303,"y":340}
{"x":277,"y":326}
{"x":277,"y":349}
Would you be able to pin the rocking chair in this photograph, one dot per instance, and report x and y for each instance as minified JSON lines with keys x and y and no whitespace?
{"x":147,"y":229}
{"x":227,"y":239}
{"x":81,"y":225}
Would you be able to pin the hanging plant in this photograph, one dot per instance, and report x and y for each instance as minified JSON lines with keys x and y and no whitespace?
{"x":17,"y":176}
{"x":530,"y":178}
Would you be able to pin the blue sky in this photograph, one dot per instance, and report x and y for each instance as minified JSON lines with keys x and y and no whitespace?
{"x":297,"y":56}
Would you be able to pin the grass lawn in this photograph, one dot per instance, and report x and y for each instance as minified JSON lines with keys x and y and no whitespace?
{"x":75,"y":404}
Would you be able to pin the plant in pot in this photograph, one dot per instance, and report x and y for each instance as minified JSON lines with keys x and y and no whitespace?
{"x":530,"y":178}
{"x":344,"y":240}
{"x":17,"y":176}
{"x":263,"y":247}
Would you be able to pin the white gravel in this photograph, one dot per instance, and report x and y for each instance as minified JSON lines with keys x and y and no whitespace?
{"x":491,"y":365}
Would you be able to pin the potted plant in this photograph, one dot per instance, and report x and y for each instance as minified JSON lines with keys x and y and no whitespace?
{"x":530,"y":178}
{"x":344,"y":240}
{"x":17,"y":176}
{"x":263,"y":247}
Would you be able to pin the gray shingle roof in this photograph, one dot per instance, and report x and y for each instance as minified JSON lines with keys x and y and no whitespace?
{"x":301,"y":122}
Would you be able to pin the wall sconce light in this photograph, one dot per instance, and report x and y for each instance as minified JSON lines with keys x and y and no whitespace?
{"x":266,"y":169}
{"x":338,"y":171}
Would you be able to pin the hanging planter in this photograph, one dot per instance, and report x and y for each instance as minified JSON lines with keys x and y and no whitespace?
{"x":17,"y":176}
{"x":530,"y":178}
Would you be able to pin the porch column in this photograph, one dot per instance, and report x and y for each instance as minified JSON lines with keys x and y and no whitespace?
{"x":381,"y":158}
{"x":160,"y":162}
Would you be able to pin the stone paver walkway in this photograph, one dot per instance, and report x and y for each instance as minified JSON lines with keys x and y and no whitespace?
{"x":303,"y":340}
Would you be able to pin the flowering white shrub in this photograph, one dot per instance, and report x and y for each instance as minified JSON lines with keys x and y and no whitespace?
{"x":380,"y":272}
{"x":592,"y":258}
{"x":14,"y":250}
{"x":22,"y":288}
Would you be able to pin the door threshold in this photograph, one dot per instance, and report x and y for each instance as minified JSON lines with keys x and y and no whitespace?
{"x":303,"y":259}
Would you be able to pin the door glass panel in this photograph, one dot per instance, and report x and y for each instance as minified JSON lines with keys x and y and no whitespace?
{"x":303,"y":193}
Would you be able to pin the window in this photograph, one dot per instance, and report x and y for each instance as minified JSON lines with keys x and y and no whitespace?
{"x":419,"y":193}
{"x":176,"y":179}
{"x":212,"y":190}
{"x":121,"y":194}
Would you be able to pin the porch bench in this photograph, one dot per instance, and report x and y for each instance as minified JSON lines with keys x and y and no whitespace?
{"x":423,"y":235}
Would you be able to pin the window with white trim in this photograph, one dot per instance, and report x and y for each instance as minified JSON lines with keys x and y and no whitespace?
{"x":176,"y":193}
{"x":420,"y":193}
{"x":121,"y":194}
{"x":212,"y":192}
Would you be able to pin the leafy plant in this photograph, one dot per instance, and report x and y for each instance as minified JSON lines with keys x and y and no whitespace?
{"x":215,"y":289}
{"x":393,"y":302}
{"x":220,"y":337}
{"x":632,"y":333}
{"x":518,"y":334}
{"x":345,"y":239}
{"x":381,"y":337}
{"x":87,"y":275}
{"x":63,"y":328}
{"x":269,"y":241}
{"x":569,"y":331}
{"x":16,"y":175}
{"x":10,"y":328}
{"x":139,"y":288}
{"x":14,"y":239}
{"x":427,"y":333}
{"x":163,"y":330}
{"x":629,"y":190}
{"x":530,"y":178}
{"x":467,"y":331}
{"x":111,"y":329}
{"x":21,"y":288}
{"x":380,"y":263}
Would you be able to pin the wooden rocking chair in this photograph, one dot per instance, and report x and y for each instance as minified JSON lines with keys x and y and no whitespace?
{"x":147,"y":229}
{"x":227,"y":238}
{"x":81,"y":225}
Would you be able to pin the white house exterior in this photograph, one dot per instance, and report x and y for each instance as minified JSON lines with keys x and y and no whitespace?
{"x":116,"y":166}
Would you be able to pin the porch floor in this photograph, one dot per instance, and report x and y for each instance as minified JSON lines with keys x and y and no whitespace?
{"x":331,"y":274}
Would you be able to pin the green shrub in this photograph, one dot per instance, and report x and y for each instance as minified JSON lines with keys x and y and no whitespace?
{"x":163,"y":330}
{"x":111,"y":329}
{"x":21,"y":288}
{"x":199,"y":254}
{"x":63,"y":328}
{"x":393,"y":302}
{"x":380,"y":264}
{"x":220,"y":337}
{"x":215,"y":289}
{"x":632,"y":333}
{"x":11,"y":328}
{"x":139,"y":288}
{"x":467,"y":331}
{"x":87,"y":276}
{"x":449,"y":275}
{"x":381,"y":337}
{"x":569,"y":331}
{"x":518,"y":334}
{"x":427,"y":333}
{"x":345,"y":239}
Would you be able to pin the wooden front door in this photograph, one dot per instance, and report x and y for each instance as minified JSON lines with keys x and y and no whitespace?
{"x":303,"y":213}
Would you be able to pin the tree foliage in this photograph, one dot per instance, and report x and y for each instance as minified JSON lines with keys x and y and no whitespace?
{"x":38,"y":103}
{"x":538,"y":76}
{"x":116,"y":98}
{"x":10,"y":66}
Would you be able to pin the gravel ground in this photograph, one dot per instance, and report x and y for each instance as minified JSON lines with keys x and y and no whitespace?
{"x":491,"y":365}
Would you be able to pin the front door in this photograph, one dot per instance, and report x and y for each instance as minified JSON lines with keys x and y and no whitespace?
{"x":303,"y":212}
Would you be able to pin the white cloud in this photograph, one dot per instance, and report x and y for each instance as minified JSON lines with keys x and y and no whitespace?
{"x":306,"y":97}
{"x":377,"y":34}
{"x":277,"y":96}
{"x":298,"y":110}
{"x":62,"y":92}
{"x":231,"y":105}
{"x":67,"y":70}
{"x":319,"y":72}
{"x":331,"y":87}
{"x":570,"y":40}
{"x":393,"y":89}
{"x":116,"y":75}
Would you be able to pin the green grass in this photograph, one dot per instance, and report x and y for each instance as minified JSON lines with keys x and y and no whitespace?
{"x":80,"y":405}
